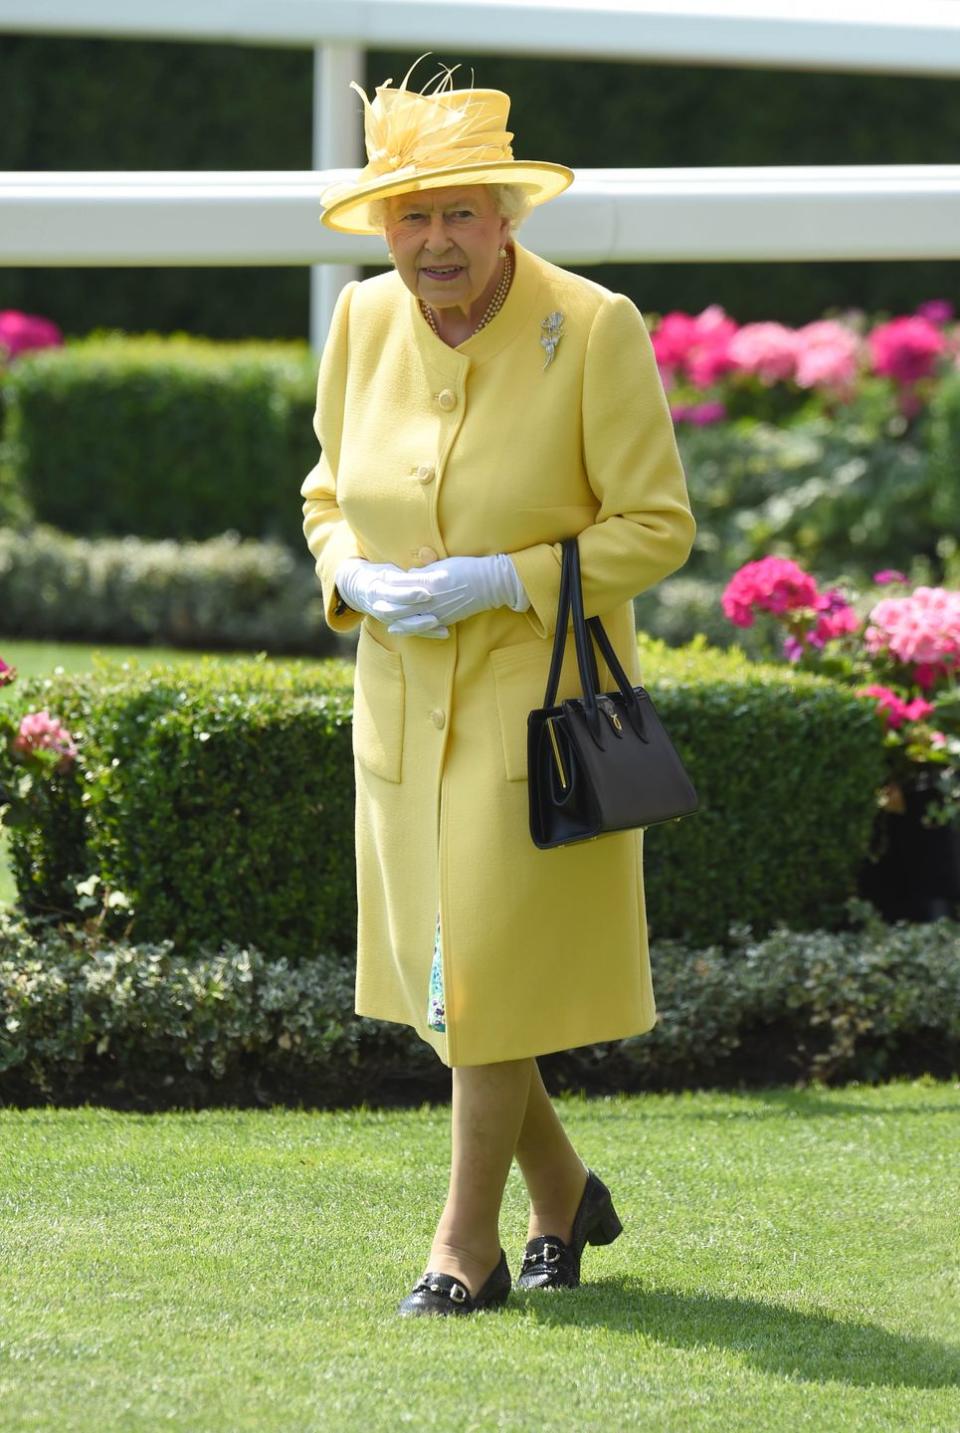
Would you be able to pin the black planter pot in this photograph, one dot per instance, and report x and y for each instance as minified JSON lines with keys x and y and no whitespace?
{"x":917,"y":875}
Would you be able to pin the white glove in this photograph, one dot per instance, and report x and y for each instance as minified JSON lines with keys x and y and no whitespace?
{"x":387,"y":592}
{"x":459,"y":587}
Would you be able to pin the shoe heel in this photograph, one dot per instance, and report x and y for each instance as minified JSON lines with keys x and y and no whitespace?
{"x":606,"y":1228}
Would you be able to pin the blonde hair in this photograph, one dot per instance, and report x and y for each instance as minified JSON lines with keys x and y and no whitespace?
{"x":510,"y":200}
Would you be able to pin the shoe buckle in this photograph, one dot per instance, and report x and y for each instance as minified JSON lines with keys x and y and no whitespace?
{"x":550,"y":1254}
{"x":458,"y":1293}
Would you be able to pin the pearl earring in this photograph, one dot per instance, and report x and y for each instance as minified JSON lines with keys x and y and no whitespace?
{"x":502,"y":254}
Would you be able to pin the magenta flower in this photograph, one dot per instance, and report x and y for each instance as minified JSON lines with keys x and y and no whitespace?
{"x":672,"y":340}
{"x":8,"y":674}
{"x":768,"y":350}
{"x":709,"y":358}
{"x":936,"y":310}
{"x":893,"y":708}
{"x":887,"y":575}
{"x":772,"y":584}
{"x":827,"y":355}
{"x":702,"y":414}
{"x":39,"y":731}
{"x":698,"y":346}
{"x":22,"y":331}
{"x":906,"y":349}
{"x":837,"y":618}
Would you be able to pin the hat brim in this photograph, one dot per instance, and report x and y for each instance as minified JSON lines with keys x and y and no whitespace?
{"x":346,"y":208}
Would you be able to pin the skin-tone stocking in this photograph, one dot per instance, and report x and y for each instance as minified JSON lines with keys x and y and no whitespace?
{"x":498,"y":1111}
{"x":553,"y":1172}
{"x":488,"y":1108}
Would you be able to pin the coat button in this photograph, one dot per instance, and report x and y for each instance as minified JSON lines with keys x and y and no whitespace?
{"x":447,"y":399}
{"x":426,"y":555}
{"x":425,"y":473}
{"x":437,"y":717}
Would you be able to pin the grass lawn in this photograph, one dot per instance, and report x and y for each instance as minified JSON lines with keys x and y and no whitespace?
{"x":791,"y":1260}
{"x":37,"y":659}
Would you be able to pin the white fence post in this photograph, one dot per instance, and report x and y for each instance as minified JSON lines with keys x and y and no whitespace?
{"x":337,"y":144}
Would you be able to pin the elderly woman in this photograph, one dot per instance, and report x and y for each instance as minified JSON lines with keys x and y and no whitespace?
{"x":475,"y":407}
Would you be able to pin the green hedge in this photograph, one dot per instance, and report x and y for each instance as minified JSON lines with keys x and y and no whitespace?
{"x":944,"y":443}
{"x":217,"y":798}
{"x":144,"y":1027}
{"x":162,"y":437}
{"x":228,"y":593}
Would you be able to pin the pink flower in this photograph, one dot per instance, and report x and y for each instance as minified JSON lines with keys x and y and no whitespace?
{"x":22,"y":331}
{"x":938,"y":740}
{"x":826,"y":354}
{"x":921,"y":628}
{"x":672,"y":340}
{"x":703,"y":414}
{"x":699,"y":346}
{"x":40,"y":731}
{"x":936,"y":310}
{"x":773,"y":584}
{"x":887,"y":575}
{"x":768,"y":350}
{"x":906,"y":349}
{"x":894,"y":709}
{"x":709,"y":357}
{"x":8,"y":674}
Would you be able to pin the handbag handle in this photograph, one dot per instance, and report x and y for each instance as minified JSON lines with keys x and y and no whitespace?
{"x":571,"y":595}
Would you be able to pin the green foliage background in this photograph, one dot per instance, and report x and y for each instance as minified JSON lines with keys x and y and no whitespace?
{"x":115,"y":104}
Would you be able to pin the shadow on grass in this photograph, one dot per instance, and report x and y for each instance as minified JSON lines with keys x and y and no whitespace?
{"x":815,"y":1348}
{"x":774,"y":1103}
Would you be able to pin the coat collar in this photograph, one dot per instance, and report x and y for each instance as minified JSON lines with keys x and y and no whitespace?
{"x":516,"y":315}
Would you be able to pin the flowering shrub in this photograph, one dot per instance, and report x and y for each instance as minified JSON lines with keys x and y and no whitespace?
{"x":31,"y":749}
{"x":902,"y":653}
{"x":707,"y":360}
{"x":40,"y":732}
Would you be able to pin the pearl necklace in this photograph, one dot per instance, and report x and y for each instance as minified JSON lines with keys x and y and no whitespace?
{"x":493,"y":307}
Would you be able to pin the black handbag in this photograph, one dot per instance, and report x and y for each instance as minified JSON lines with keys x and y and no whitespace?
{"x":601,"y":762}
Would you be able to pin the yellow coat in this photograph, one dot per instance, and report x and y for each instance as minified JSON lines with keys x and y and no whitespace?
{"x":431,"y":452}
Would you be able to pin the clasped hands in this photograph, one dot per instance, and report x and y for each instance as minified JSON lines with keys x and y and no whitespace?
{"x":425,"y":601}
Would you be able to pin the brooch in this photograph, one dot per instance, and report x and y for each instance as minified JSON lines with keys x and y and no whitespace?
{"x":551,"y":332}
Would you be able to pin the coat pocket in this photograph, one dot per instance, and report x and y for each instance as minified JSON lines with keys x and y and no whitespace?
{"x":520,"y":675}
{"x":378,"y":703}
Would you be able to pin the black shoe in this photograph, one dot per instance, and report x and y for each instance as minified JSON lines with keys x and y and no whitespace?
{"x":549,"y":1263}
{"x":443,"y":1294}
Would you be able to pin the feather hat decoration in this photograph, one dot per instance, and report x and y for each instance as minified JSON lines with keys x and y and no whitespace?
{"x":432,"y":139}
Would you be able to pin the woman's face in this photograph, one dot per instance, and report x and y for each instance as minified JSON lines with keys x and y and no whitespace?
{"x":446,"y":243}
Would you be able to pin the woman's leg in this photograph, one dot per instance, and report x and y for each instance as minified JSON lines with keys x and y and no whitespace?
{"x":488,"y":1108}
{"x":553,"y":1172}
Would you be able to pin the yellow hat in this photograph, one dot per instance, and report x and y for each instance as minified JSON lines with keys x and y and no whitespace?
{"x":430,"y":140}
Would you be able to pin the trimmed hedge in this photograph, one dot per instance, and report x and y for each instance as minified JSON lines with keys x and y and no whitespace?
{"x":225,"y":593}
{"x":163,"y":437}
{"x":217,"y":798}
{"x":144,"y":1027}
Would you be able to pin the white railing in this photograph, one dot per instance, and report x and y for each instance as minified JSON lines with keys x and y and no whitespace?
{"x":622,"y":215}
